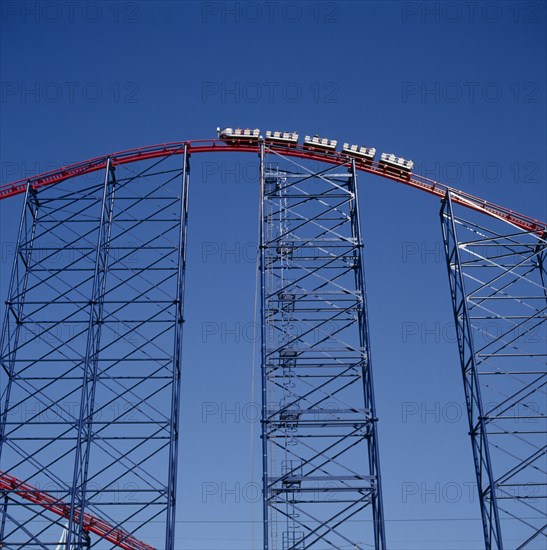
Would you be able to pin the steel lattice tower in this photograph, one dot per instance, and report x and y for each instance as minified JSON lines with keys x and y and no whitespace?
{"x":91,"y":360}
{"x":320,"y":448}
{"x":498,"y":282}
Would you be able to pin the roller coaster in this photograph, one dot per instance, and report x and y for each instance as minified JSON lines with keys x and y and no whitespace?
{"x":98,"y":452}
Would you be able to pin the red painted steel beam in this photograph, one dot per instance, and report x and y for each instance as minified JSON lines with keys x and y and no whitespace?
{"x":119,"y":537}
{"x":298,"y":151}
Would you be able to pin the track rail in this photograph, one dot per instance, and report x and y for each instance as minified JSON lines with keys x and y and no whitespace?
{"x":217,"y":146}
{"x":119,"y":537}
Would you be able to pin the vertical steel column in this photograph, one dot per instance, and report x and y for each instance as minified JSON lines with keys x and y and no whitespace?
{"x":475,"y":409}
{"x":263,"y":347}
{"x":14,"y":315}
{"x":321,"y":470}
{"x":368,"y":384}
{"x":78,"y":501}
{"x":177,"y":352}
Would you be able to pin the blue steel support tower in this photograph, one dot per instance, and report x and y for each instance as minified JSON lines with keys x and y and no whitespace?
{"x":322,"y":485}
{"x":498,"y":282}
{"x":91,"y":360}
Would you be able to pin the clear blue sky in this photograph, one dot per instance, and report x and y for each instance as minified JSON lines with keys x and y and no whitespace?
{"x":458,"y":87}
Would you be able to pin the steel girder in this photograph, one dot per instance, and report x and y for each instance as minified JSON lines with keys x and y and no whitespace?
{"x":499,"y":295}
{"x":321,"y":473}
{"x":90,"y":357}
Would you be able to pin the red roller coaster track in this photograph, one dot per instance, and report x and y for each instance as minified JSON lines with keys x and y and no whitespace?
{"x":95,"y":525}
{"x":218,"y":146}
